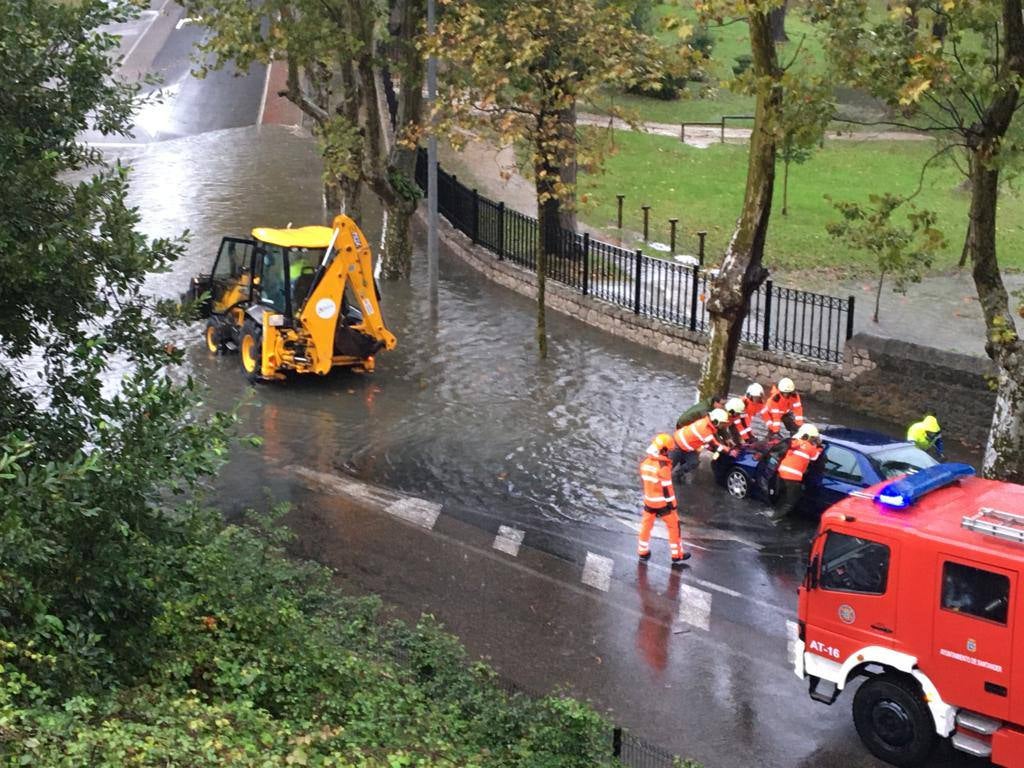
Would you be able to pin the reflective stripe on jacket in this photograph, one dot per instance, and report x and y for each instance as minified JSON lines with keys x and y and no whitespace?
{"x":741,"y":425}
{"x":794,"y":463}
{"x":778,"y":405}
{"x":656,"y":475}
{"x":695,"y":436}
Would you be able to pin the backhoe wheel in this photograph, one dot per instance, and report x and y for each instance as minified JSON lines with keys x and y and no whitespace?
{"x":250,"y":349}
{"x":893,"y":720}
{"x":213,"y":336}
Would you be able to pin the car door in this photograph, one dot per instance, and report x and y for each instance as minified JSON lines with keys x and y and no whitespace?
{"x":852,"y":602}
{"x":972,"y":642}
{"x":837,"y":474}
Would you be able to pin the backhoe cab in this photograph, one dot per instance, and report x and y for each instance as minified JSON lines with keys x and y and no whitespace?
{"x":299,"y":300}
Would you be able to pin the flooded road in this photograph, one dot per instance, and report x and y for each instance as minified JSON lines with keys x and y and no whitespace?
{"x":464,"y":414}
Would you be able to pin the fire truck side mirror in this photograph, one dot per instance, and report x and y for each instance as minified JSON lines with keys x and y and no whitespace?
{"x":812,"y":573}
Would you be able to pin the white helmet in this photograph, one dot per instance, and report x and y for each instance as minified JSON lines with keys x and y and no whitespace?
{"x":786,"y":386}
{"x":755,"y":390}
{"x":735,"y":406}
{"x":718,"y":416}
{"x":806,"y":431}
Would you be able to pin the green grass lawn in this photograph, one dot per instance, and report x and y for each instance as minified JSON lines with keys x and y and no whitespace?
{"x":730,"y":41}
{"x":704,"y":189}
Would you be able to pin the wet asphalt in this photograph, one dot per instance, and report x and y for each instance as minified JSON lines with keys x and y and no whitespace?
{"x":517,"y":454}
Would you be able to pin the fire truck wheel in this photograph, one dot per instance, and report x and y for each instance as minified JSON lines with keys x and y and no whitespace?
{"x":893,"y":720}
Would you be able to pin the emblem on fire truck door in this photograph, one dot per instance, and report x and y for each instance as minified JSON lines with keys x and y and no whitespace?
{"x":971,"y":645}
{"x":846,"y":614}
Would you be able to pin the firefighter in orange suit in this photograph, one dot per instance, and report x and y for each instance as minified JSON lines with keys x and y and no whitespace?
{"x":691,"y":438}
{"x":804,"y":448}
{"x":783,"y":406}
{"x":659,"y":500}
{"x":741,"y":430}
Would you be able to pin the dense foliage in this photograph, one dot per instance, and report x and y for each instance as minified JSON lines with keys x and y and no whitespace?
{"x":135,"y":628}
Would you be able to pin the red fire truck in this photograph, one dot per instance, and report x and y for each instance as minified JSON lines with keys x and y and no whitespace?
{"x":917,"y":586}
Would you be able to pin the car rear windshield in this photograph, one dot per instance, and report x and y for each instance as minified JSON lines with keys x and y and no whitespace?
{"x":905,"y":459}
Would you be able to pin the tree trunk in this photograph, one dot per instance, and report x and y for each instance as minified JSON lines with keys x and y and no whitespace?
{"x":1004,"y":453}
{"x":878,"y":295}
{"x":741,"y":272}
{"x":785,"y":187}
{"x":567,"y":170}
{"x":777,"y":20}
{"x":546,"y":173}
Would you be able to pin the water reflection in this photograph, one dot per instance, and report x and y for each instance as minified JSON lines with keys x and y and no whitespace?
{"x":654,"y":630}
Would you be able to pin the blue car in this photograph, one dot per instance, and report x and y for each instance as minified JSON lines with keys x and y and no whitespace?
{"x":852,"y":460}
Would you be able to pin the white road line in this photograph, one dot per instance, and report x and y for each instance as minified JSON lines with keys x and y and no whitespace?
{"x":138,"y":40}
{"x":416,"y":511}
{"x":695,"y":607}
{"x":508,"y":540}
{"x":419,"y":512}
{"x":597,"y":571}
{"x":188,"y":20}
{"x":263,"y":98}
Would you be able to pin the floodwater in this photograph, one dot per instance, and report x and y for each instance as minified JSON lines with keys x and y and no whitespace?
{"x":463,"y":412}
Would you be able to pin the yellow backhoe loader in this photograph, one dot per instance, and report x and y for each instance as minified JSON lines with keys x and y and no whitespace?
{"x":301,"y":300}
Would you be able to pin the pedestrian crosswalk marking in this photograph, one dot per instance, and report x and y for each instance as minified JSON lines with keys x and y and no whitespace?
{"x":508,"y":540}
{"x":597,"y":571}
{"x":695,"y":607}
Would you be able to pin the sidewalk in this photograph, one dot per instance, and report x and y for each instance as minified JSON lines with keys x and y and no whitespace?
{"x":941,"y":311}
{"x":705,"y":135}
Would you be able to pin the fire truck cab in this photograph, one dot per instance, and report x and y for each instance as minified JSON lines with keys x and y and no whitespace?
{"x":917,"y":586}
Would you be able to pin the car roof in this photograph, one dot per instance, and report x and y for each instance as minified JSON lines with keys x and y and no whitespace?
{"x":863,"y":440}
{"x":299,"y":237}
{"x":939,"y":514}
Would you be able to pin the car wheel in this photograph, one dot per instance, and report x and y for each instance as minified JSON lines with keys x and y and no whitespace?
{"x":893,"y":720}
{"x":737,"y":483}
{"x":250,"y":348}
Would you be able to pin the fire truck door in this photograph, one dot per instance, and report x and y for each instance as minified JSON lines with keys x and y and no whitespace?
{"x":973,"y":636}
{"x":853,"y":603}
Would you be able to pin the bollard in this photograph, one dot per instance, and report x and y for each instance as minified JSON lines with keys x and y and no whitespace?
{"x":672,"y":236}
{"x":620,"y":198}
{"x":647,"y":214}
{"x":700,"y":247}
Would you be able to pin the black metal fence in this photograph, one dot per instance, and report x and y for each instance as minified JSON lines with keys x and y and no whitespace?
{"x":779,"y":319}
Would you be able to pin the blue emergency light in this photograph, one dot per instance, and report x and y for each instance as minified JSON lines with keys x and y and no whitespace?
{"x":901,"y":493}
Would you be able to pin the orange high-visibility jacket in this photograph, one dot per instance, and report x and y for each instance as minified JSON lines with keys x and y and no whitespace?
{"x":656,"y":474}
{"x":699,"y":434}
{"x":794,"y":463}
{"x":744,"y":429}
{"x":753,"y":407}
{"x":778,"y":405}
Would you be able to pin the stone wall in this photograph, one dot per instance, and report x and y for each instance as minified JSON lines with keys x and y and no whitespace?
{"x":889,"y":379}
{"x":896,"y":380}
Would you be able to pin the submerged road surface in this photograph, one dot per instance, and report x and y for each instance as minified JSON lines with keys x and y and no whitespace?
{"x":520,"y":475}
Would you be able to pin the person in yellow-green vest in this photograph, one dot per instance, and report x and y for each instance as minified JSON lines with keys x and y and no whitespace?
{"x":927,"y":435}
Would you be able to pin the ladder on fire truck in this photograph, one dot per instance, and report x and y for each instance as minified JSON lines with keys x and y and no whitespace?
{"x":994,"y":522}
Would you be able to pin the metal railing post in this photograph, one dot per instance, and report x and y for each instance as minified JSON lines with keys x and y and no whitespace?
{"x":501,"y":231}
{"x":586,"y":263}
{"x":647,"y":216}
{"x":637,"y":281}
{"x":767,"y":333}
{"x":695,"y":289}
{"x":682,"y":132}
{"x":476,"y":217}
{"x":620,"y":198}
{"x":723,"y":130}
{"x":672,"y":236}
{"x":616,"y":742}
{"x":849,"y":317}
{"x":700,"y":247}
